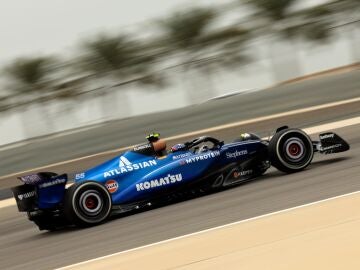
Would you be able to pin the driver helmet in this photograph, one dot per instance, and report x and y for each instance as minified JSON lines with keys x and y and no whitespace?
{"x":158,"y":144}
{"x":204,"y":149}
{"x":153,"y":137}
{"x":245,"y":136}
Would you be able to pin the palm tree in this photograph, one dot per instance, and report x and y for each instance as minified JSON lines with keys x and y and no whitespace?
{"x":279,"y":19}
{"x":30,"y":75}
{"x":190,"y":36}
{"x":32,"y":80}
{"x":36,"y":80}
{"x":119,"y":58}
{"x":347,"y":13}
{"x":275,"y":10}
{"x":5,"y":104}
{"x":115,"y":61}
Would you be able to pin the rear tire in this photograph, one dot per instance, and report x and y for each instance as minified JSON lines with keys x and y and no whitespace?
{"x":87,"y":203}
{"x":291,"y":150}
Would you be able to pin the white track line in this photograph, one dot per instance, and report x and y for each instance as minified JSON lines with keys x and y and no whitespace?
{"x":333,"y":125}
{"x":209,"y":230}
{"x":310,"y":131}
{"x":195,"y":133}
{"x":7,"y":202}
{"x":269,"y":117}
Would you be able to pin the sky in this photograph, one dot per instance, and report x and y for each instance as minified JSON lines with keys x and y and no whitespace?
{"x":30,"y":27}
{"x":33,"y":27}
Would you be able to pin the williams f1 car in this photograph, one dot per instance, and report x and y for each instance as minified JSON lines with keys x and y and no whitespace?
{"x":148,"y":174}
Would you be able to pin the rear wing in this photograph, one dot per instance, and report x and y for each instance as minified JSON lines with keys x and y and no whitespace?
{"x":36,"y":178}
{"x":40,"y":191}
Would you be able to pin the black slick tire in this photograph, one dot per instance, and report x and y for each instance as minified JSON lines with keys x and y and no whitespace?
{"x":290,"y":150}
{"x":87,"y":203}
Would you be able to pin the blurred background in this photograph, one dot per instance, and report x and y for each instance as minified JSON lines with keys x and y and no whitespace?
{"x":66,"y":65}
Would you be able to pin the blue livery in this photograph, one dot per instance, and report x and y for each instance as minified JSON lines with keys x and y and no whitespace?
{"x":148,"y":175}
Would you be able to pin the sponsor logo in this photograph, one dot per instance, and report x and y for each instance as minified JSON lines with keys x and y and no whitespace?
{"x":112,"y":186}
{"x":167,"y":180}
{"x":31,"y":179}
{"x":79,"y":176}
{"x":242,"y":173}
{"x":236,"y":154}
{"x":53,"y":183}
{"x":142,"y":147}
{"x":126,"y":166}
{"x":327,"y":136}
{"x":331,"y":147}
{"x":181,"y":156}
{"x":202,"y":157}
{"x":123,"y":161}
{"x":26,"y":195}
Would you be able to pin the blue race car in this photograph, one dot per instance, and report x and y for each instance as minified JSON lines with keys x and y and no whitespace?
{"x":149,"y":175}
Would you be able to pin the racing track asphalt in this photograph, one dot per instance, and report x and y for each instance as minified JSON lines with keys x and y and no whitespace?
{"x":24,"y":247}
{"x":262,"y":128}
{"x":126,"y":132}
{"x":132,"y":131}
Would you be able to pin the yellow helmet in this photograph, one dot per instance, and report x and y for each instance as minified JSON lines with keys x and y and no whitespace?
{"x":153,"y":137}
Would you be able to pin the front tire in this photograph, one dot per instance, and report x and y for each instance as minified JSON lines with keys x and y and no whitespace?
{"x":87,"y":203}
{"x":291,"y":150}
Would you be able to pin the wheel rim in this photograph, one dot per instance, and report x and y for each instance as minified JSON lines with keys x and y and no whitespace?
{"x":91,"y":202}
{"x":294,"y":149}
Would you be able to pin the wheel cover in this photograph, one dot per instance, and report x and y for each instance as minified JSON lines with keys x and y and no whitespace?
{"x":91,"y":203}
{"x":294,"y":149}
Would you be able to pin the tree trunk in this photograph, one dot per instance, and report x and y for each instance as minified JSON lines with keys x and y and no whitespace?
{"x":113,"y":106}
{"x":189,"y":86}
{"x":47,"y":117}
{"x":354,"y":38}
{"x":209,"y":74}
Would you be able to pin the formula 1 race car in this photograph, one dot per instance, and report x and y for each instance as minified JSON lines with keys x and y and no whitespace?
{"x":149,"y":175}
